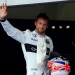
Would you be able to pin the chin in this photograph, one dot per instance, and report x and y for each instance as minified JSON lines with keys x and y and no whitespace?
{"x":41,"y":32}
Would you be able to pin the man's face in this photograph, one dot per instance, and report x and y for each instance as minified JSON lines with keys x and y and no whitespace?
{"x":41,"y":25}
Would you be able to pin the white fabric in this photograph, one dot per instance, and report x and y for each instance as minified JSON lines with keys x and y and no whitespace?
{"x":41,"y":50}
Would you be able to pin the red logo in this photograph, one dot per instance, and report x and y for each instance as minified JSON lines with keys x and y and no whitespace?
{"x":54,"y":66}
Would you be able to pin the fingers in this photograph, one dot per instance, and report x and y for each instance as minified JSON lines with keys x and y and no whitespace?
{"x":0,"y":7}
{"x":4,"y":6}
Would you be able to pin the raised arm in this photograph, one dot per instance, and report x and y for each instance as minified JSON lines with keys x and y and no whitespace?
{"x":8,"y":28}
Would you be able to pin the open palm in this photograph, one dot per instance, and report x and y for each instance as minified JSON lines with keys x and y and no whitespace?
{"x":3,"y":11}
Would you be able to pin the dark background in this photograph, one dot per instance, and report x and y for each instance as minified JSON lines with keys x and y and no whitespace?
{"x":11,"y":56}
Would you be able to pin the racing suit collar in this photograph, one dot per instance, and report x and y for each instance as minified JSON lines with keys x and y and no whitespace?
{"x":36,"y":34}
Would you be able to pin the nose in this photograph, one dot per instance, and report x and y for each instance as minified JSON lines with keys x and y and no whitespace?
{"x":42,"y":25}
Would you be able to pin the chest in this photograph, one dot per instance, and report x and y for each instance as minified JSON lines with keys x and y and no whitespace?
{"x":31,"y":45}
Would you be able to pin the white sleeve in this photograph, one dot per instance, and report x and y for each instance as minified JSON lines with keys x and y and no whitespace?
{"x":13,"y":32}
{"x":51,"y":45}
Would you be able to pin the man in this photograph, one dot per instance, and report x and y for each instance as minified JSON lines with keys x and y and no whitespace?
{"x":36,"y":45}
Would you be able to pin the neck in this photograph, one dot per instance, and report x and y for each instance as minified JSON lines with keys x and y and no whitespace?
{"x":42,"y":34}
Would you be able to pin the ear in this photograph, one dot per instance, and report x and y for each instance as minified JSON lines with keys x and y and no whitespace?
{"x":35,"y":23}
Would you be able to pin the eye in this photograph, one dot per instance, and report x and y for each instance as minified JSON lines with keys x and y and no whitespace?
{"x":40,"y":23}
{"x":45,"y":24}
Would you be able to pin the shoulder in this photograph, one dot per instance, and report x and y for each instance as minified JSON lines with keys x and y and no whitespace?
{"x":27,"y":31}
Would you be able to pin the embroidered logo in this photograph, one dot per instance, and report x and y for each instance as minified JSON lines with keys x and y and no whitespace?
{"x":34,"y":39}
{"x":47,"y":41}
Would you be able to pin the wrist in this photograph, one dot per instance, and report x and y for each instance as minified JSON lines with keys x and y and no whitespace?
{"x":2,"y":19}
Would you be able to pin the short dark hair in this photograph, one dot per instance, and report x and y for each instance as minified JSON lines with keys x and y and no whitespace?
{"x":42,"y":15}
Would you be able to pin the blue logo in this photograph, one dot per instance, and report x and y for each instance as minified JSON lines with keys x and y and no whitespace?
{"x":34,"y":39}
{"x":34,"y":35}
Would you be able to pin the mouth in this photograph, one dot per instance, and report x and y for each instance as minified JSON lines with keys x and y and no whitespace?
{"x":40,"y":29}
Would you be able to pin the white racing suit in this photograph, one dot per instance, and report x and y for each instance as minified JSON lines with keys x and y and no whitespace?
{"x":28,"y":40}
{"x":58,"y":66}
